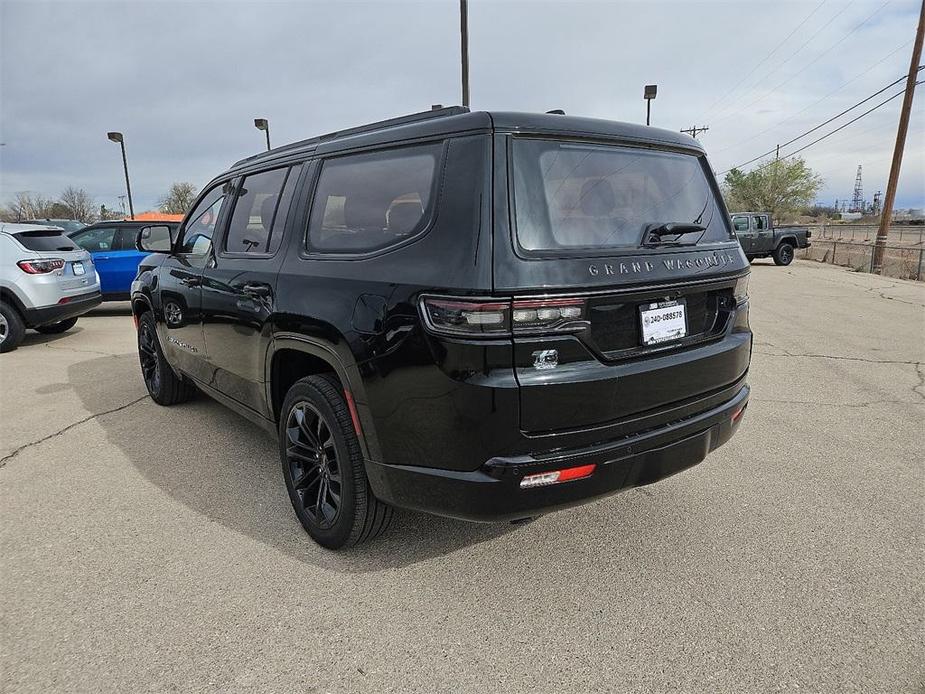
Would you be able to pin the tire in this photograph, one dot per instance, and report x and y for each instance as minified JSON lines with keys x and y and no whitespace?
{"x":12,"y":328}
{"x":783,"y":254}
{"x":321,"y":459}
{"x":164,"y":386}
{"x":56,"y":328}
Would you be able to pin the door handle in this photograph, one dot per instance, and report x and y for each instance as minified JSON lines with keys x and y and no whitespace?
{"x":258,"y":291}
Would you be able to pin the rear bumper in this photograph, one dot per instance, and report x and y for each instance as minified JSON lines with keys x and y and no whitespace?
{"x":76,"y":306}
{"x":493,"y":493}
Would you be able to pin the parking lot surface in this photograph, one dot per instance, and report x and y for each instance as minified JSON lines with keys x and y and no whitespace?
{"x":151,"y":549}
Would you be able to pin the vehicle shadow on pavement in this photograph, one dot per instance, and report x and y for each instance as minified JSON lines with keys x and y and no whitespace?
{"x":35,"y":338}
{"x":222,"y":466}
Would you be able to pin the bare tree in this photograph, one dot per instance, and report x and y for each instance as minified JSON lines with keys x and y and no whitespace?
{"x":25,"y":206}
{"x":179,"y":198}
{"x":79,"y":204}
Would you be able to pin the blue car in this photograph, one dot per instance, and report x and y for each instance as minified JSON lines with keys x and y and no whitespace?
{"x":112,"y":245}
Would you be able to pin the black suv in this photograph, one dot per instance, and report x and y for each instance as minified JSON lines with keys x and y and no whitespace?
{"x":486,"y":316}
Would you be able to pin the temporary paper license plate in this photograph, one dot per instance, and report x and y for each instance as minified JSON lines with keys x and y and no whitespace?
{"x":663,"y":322}
{"x":78,"y":268}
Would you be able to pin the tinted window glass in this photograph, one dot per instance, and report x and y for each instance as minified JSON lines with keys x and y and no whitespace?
{"x":100,"y":239}
{"x":365,"y":202}
{"x":45,"y":241}
{"x":252,"y":221}
{"x":740,"y":223}
{"x":282,"y":211}
{"x":200,"y":225}
{"x":582,"y":196}
{"x":761,"y":222}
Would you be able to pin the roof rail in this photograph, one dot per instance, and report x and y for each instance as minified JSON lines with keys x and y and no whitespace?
{"x":370,"y":127}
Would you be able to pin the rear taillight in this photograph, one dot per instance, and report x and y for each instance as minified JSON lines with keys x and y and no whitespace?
{"x":457,"y":317}
{"x":741,"y":289}
{"x":40,"y":267}
{"x":544,"y":479}
{"x":491,"y":317}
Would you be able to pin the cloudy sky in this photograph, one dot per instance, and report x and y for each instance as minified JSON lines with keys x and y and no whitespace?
{"x":184,"y":81}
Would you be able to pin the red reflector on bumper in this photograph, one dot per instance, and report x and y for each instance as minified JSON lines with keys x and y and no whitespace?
{"x":64,"y":300}
{"x":542,"y":479}
{"x":737,"y":415}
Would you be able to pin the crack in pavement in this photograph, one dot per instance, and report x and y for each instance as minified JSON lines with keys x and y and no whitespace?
{"x":86,"y":351}
{"x":921,"y":383}
{"x":10,"y":456}
{"x":816,"y":403}
{"x":866,"y":360}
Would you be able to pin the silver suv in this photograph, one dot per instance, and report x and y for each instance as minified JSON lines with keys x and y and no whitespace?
{"x":46,"y":282}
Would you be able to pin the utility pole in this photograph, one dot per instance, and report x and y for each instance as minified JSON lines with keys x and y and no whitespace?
{"x":693,"y":130}
{"x":887,"y":214}
{"x":464,"y":48}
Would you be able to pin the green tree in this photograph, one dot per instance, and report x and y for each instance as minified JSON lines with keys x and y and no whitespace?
{"x":779,"y":186}
{"x":179,"y":198}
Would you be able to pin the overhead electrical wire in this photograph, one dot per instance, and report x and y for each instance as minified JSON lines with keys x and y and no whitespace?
{"x":826,"y":122}
{"x":805,"y":67}
{"x":767,"y":57}
{"x":829,"y":134}
{"x":815,"y":103}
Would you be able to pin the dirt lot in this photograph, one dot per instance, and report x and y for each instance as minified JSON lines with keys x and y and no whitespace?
{"x":154,"y":549}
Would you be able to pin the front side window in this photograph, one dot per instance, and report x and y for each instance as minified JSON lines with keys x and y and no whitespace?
{"x":586,"y":197}
{"x":93,"y":240}
{"x":200,"y":225}
{"x":740,"y":223}
{"x":367,"y":202}
{"x":251,"y":226}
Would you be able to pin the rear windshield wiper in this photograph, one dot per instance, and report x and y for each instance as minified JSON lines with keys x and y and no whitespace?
{"x":654,"y":232}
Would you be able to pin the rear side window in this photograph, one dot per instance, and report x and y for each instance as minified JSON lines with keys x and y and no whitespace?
{"x":99,"y":239}
{"x":251,"y":227}
{"x":582,"y":197}
{"x":367,"y":202}
{"x":45,"y":241}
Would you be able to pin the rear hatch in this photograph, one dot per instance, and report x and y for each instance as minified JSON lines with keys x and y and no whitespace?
{"x":76,"y":269}
{"x":627,"y":284}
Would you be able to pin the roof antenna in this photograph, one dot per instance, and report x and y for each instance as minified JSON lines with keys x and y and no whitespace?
{"x":557,"y":112}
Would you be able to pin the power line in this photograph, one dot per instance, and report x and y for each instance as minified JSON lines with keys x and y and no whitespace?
{"x":816,"y":103}
{"x":808,"y":65}
{"x":853,"y":120}
{"x":765,"y":59}
{"x":824,"y":123}
{"x":829,"y":134}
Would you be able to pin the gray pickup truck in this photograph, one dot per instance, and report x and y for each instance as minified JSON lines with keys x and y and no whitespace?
{"x":761,"y":239}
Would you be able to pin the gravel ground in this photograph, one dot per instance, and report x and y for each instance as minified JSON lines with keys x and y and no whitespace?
{"x":154,"y":549}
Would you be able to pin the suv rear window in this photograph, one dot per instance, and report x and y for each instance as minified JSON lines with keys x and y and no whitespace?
{"x":367,"y":202}
{"x":45,"y":241}
{"x":571,"y":196}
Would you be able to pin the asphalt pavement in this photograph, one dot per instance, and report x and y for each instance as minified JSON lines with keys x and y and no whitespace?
{"x":154,"y":549}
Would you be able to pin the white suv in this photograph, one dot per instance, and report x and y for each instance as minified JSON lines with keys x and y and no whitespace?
{"x":46,"y":282}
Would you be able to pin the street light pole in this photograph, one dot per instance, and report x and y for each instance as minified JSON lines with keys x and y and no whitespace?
{"x":263,"y":124}
{"x":464,"y":48}
{"x":117,"y":137}
{"x":648,"y":94}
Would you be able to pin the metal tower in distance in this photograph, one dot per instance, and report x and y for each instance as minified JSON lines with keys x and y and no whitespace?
{"x":857,"y":201}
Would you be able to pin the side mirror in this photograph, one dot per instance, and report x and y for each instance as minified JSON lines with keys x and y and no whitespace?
{"x":155,"y":239}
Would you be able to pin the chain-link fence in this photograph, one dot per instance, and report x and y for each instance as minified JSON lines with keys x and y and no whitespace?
{"x":898,"y":233}
{"x":902,"y":262}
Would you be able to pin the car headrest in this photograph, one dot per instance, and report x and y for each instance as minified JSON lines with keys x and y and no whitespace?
{"x":597,"y":198}
{"x":267,"y":208}
{"x":404,"y":216}
{"x":363,"y":212}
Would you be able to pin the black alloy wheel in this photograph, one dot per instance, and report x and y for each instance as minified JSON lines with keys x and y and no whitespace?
{"x":147,"y":355}
{"x":323,"y":466}
{"x":784,"y":254}
{"x":313,"y":465}
{"x":164,"y":386}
